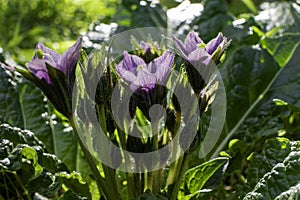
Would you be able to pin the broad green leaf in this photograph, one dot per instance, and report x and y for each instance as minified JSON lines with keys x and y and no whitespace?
{"x":278,"y":83}
{"x":203,"y":177}
{"x":274,"y":171}
{"x":283,"y":47}
{"x":214,"y":18}
{"x":23,"y":105}
{"x":30,"y":154}
{"x":10,"y":108}
{"x":21,"y":163}
{"x":248,"y":74}
{"x":275,"y":152}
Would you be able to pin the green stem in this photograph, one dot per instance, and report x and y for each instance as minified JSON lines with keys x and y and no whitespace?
{"x":149,"y":181}
{"x":88,"y":136}
{"x":157,"y":181}
{"x":90,"y":159}
{"x":21,"y":185}
{"x":173,"y":172}
{"x":130,"y":185}
{"x":241,"y":121}
{"x":182,"y":171}
{"x":110,"y":175}
{"x":110,"y":180}
{"x":131,"y":190}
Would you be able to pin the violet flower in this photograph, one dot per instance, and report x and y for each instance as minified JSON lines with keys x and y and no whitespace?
{"x":144,"y":76}
{"x":145,"y":80}
{"x":53,"y":73}
{"x":65,"y":63}
{"x":193,"y":47}
{"x":198,"y":57}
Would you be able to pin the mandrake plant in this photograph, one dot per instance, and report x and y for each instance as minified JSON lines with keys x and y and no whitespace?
{"x":137,"y":117}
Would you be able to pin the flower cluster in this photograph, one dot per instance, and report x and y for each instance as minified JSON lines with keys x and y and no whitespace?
{"x":146,"y":71}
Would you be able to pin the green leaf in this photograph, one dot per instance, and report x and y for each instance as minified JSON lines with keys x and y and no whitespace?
{"x":69,"y":195}
{"x":248,"y":74}
{"x":274,"y":171}
{"x":255,"y":119}
{"x":45,"y":184}
{"x":149,"y":15}
{"x":214,"y":18}
{"x":23,"y":105}
{"x":291,"y":194}
{"x":31,"y":167}
{"x":204,"y":177}
{"x":75,"y":183}
{"x":283,"y":47}
{"x":31,"y":154}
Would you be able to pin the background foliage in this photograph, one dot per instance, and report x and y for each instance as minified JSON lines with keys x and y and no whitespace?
{"x":261,"y":73}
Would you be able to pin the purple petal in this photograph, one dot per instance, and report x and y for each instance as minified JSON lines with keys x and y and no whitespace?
{"x":199,"y":57}
{"x":10,"y":68}
{"x":162,"y":65}
{"x":126,"y":75}
{"x":191,"y":42}
{"x":213,"y":45}
{"x":69,"y":59}
{"x":38,"y":68}
{"x":131,"y":62}
{"x":146,"y":47}
{"x":144,"y":80}
{"x":54,"y":55}
{"x":180,"y":46}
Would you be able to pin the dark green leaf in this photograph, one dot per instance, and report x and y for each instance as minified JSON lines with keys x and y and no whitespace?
{"x":23,"y":105}
{"x":248,"y":74}
{"x":291,"y":194}
{"x":276,"y":170}
{"x":45,"y":184}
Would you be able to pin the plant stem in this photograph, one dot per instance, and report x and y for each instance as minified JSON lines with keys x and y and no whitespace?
{"x":21,"y":185}
{"x":90,"y":159}
{"x":181,"y":173}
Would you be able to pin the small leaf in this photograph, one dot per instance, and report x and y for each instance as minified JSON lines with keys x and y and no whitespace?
{"x":75,"y":183}
{"x":196,"y":179}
